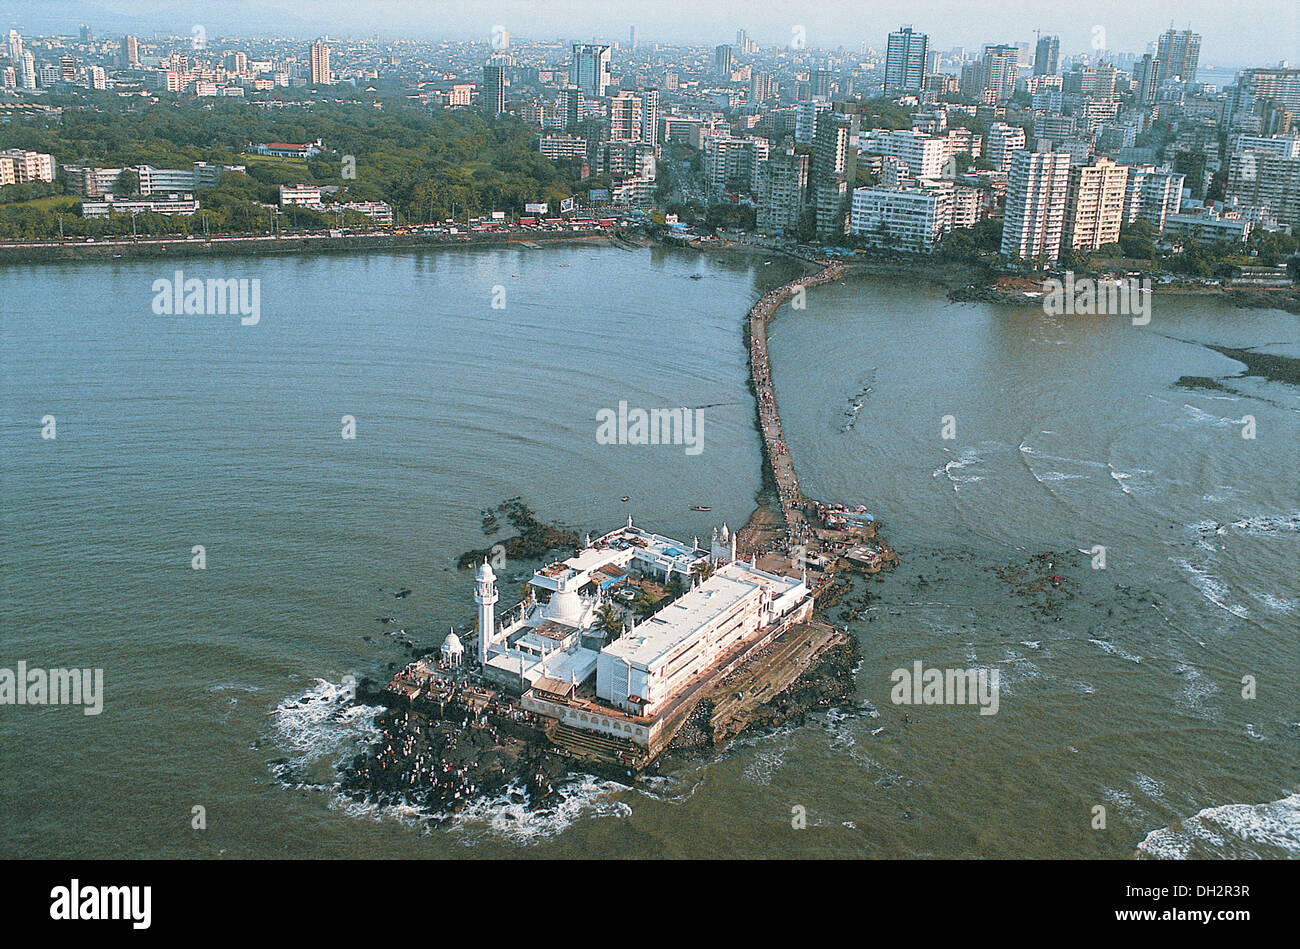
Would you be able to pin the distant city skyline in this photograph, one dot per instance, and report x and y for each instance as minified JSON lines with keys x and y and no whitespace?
{"x":1243,"y":33}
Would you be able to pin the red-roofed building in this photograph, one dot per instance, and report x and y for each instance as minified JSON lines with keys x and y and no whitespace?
{"x":290,"y":150}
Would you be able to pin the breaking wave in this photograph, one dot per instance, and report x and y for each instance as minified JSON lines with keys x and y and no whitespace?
{"x":1234,"y":831}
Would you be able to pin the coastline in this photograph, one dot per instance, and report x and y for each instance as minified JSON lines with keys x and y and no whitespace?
{"x":965,"y":282}
{"x":45,"y":252}
{"x":1021,"y":291}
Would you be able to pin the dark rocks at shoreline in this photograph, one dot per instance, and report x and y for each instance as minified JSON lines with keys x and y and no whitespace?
{"x":695,"y":735}
{"x":1241,"y":297}
{"x":1268,"y":366}
{"x":442,"y":764}
{"x":829,"y":683}
{"x":1261,"y":299}
{"x":974,"y":293}
{"x":1203,"y":382}
{"x":533,"y":541}
{"x":826,"y":684}
{"x":833,"y":593}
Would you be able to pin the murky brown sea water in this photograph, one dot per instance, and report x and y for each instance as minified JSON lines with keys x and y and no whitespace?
{"x":176,"y":431}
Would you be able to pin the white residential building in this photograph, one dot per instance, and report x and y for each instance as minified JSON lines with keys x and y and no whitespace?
{"x":908,"y":219}
{"x":1152,"y":195}
{"x":1003,"y":141}
{"x":1037,"y":186}
{"x":924,"y":155}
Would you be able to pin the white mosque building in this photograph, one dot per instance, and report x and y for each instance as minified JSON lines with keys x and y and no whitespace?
{"x":555,"y":642}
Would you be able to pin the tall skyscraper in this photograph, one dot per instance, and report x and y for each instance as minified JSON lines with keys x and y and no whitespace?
{"x":782,"y":183}
{"x":27,"y":75}
{"x":1178,"y":52}
{"x":631,"y":37}
{"x":723,"y":61}
{"x":130,"y":51}
{"x":1263,"y":100}
{"x":1152,"y":195}
{"x":1001,"y":67}
{"x":1047,"y":57}
{"x":819,"y":83}
{"x":1268,"y":180}
{"x":494,"y":89}
{"x":650,"y":118}
{"x":834,"y":169}
{"x":15,"y":46}
{"x":1094,"y":205}
{"x":1146,"y":75}
{"x":589,"y":70}
{"x":625,"y":118}
{"x":1036,"y":191}
{"x":572,"y":106}
{"x":320,"y":64}
{"x":906,"y":58}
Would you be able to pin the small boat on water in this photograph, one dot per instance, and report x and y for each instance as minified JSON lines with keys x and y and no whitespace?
{"x":700,"y":507}
{"x":626,"y":499}
{"x":697,"y":276}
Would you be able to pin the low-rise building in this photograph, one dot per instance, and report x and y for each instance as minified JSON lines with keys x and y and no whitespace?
{"x":299,"y":195}
{"x":183,"y":204}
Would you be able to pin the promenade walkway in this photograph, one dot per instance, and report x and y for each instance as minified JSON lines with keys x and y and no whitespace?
{"x":791,"y":499}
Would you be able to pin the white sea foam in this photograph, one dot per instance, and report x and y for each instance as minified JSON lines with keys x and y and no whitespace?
{"x":320,"y":724}
{"x":508,"y":815}
{"x":1263,"y":525}
{"x":1115,"y":650}
{"x":1200,"y":415}
{"x":581,"y":798}
{"x":1277,"y":604}
{"x":968,"y":458}
{"x":1212,"y":588}
{"x":1118,"y":797}
{"x":765,"y":765}
{"x":1057,"y":476}
{"x":1196,"y":686}
{"x":1268,"y":831}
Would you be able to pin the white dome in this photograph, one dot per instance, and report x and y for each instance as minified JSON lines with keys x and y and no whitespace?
{"x":485,"y":572}
{"x":565,"y":606}
{"x":451,"y":645}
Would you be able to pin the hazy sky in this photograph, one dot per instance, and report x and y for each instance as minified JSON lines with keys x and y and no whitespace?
{"x":1235,"y":32}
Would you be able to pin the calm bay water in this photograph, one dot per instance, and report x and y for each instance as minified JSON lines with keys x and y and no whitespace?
{"x":176,"y":431}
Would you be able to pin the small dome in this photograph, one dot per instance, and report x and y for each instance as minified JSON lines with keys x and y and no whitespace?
{"x":451,"y":645}
{"x":485,"y":572}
